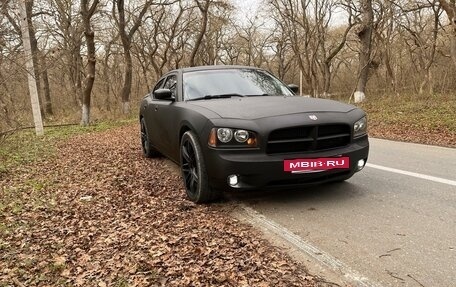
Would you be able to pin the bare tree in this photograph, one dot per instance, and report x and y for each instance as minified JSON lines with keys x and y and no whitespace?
{"x":106,"y":70}
{"x":33,"y":89}
{"x":450,"y":9}
{"x":87,"y":12}
{"x":364,"y":33}
{"x":204,"y":9}
{"x":306,"y":26}
{"x":126,"y":37}
{"x":67,"y":32}
{"x":330,"y":50}
{"x":282,"y":54}
{"x":39,"y":60}
{"x":253,"y":41}
{"x":6,"y":98}
{"x":401,"y":45}
{"x":35,"y":51}
{"x":384,"y":35}
{"x":421,"y":41}
{"x":157,"y":41}
{"x":296,"y":22}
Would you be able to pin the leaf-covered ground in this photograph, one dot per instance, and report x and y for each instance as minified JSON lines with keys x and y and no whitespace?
{"x":99,"y":214}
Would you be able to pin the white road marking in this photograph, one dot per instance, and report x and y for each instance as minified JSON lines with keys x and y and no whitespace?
{"x":413,"y":174}
{"x":322,"y":257}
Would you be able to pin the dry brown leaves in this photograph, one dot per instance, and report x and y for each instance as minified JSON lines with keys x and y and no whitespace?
{"x":102,"y":215}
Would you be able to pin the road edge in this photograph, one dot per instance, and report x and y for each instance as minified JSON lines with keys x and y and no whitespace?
{"x":319,"y":263}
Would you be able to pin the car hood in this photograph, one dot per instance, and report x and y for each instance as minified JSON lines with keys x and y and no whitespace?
{"x":269,"y":106}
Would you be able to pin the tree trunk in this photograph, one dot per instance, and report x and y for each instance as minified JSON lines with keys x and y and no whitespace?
{"x":126,"y":44}
{"x":46,"y":90}
{"x":388,"y":55}
{"x":38,"y":121}
{"x":35,"y":52}
{"x":126,"y":89}
{"x":106,"y":79}
{"x":75,"y":73}
{"x":327,"y":79}
{"x":365,"y":38}
{"x":87,"y":14}
{"x":389,"y":70}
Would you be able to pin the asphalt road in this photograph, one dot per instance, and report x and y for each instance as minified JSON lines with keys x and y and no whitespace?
{"x":393,"y":223}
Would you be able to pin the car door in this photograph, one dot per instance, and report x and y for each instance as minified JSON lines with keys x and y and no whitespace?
{"x":151,"y":117}
{"x":164,"y":115}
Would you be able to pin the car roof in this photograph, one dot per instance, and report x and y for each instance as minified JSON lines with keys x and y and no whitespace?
{"x":214,"y":67}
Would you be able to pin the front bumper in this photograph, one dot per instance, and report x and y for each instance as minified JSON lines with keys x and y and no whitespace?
{"x":257,"y":170}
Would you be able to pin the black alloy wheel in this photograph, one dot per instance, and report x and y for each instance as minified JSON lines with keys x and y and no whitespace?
{"x":194,"y":170}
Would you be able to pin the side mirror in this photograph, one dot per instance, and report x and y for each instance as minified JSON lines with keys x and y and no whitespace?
{"x":163,"y":94}
{"x":294,"y":88}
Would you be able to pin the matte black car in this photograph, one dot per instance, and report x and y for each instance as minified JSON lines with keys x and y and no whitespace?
{"x":239,"y":128}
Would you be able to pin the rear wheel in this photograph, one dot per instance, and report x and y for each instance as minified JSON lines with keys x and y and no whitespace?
{"x":147,"y":148}
{"x":194,"y":170}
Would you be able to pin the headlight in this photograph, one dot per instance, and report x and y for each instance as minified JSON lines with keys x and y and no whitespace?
{"x":234,"y":138}
{"x":224,"y":135}
{"x":241,"y":136}
{"x":360,"y":127}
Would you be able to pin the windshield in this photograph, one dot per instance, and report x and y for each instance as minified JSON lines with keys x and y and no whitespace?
{"x":231,"y":82}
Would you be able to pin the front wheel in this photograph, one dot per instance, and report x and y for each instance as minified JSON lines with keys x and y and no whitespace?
{"x":194,"y":170}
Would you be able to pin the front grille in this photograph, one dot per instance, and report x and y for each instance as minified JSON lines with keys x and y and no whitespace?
{"x":308,"y":138}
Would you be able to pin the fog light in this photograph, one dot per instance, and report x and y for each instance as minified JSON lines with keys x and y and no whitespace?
{"x":361,"y":163}
{"x":233,"y":180}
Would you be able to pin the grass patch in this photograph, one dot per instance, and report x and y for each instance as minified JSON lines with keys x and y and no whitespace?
{"x":427,"y":119}
{"x":430,"y":112}
{"x":25,"y":147}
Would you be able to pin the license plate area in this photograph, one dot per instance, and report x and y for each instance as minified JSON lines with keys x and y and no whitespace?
{"x":313,"y":165}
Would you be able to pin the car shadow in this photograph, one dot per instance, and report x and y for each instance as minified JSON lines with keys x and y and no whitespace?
{"x":323,"y":193}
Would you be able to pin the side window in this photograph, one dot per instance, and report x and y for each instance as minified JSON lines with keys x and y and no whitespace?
{"x":158,"y":85}
{"x":170,"y":84}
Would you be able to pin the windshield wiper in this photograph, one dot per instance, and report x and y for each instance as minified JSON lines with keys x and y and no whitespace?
{"x":258,"y":95}
{"x":221,"y":96}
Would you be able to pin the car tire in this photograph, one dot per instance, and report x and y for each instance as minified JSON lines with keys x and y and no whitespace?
{"x":194,"y":172}
{"x":148,"y":150}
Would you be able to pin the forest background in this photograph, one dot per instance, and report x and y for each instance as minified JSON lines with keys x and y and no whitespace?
{"x":95,"y":59}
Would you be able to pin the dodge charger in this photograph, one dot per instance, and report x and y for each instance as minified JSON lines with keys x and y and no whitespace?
{"x":241,"y":128}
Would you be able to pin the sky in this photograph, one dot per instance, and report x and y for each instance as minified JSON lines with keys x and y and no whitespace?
{"x":246,"y":8}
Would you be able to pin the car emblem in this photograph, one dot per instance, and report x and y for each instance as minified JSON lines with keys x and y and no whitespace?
{"x":313,"y":117}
